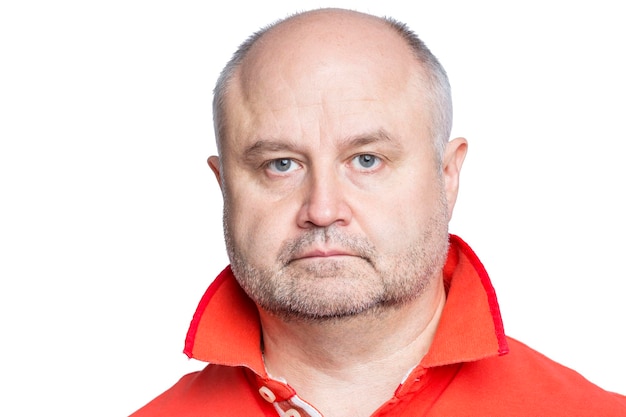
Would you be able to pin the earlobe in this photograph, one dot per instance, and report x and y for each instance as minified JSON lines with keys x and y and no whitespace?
{"x":453,"y":158}
{"x":214,"y":164}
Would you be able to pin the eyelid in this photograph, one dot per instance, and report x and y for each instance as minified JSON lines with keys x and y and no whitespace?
{"x":379,"y":160}
{"x":270,"y":166}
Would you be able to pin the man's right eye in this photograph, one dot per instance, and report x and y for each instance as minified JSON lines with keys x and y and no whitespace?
{"x":282,"y":165}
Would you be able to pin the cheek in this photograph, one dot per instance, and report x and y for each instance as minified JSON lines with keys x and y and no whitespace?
{"x":257,"y":226}
{"x":404,"y":215}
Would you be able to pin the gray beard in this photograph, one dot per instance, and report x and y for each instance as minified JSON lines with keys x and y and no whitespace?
{"x":335,"y":290}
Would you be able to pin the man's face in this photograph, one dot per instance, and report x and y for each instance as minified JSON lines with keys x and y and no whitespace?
{"x":334,"y":204}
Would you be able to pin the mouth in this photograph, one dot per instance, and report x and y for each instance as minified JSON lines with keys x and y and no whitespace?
{"x":324,"y":254}
{"x":329,"y":246}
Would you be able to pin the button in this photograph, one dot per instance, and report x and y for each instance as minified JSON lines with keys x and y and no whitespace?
{"x":292,"y":413}
{"x":267,"y":394}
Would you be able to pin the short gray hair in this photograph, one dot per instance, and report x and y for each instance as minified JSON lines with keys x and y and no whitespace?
{"x":438,"y":86}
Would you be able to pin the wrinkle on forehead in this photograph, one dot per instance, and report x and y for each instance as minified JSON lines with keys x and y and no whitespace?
{"x":329,"y":64}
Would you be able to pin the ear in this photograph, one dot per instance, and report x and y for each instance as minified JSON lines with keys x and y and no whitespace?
{"x":453,"y":158}
{"x":214,"y":164}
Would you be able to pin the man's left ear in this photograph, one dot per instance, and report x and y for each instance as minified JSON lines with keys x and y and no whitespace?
{"x":453,"y":158}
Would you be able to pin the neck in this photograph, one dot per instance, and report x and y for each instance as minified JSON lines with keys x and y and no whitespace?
{"x":362,"y":358}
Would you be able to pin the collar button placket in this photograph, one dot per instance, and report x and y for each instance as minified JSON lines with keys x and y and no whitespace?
{"x":292,"y":413}
{"x":267,"y":394}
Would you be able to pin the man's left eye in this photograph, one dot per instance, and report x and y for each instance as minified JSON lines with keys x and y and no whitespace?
{"x":366,"y":160}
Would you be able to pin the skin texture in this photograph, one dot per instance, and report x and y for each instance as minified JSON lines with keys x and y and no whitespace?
{"x":336,"y":206}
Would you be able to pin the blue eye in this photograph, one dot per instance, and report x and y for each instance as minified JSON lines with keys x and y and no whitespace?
{"x":282,"y":165}
{"x":366,"y":161}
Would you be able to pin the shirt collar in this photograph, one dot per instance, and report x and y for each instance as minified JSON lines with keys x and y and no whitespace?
{"x":226,"y":329}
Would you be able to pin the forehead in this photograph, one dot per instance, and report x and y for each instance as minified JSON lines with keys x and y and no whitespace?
{"x":342,"y":68}
{"x":318,"y":48}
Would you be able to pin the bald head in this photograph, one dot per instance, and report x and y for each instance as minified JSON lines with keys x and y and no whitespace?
{"x":320,"y":46}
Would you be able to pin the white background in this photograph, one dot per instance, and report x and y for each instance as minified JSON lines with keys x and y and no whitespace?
{"x":110,"y":226}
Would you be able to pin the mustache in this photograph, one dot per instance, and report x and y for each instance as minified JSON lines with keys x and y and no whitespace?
{"x":329,"y":236}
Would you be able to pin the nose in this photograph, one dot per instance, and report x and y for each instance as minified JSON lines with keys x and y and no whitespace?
{"x":324,"y":202}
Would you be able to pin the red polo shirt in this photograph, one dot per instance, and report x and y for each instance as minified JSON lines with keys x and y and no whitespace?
{"x":472,"y":368}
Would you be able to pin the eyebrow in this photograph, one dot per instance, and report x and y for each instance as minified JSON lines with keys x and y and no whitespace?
{"x":262,"y":146}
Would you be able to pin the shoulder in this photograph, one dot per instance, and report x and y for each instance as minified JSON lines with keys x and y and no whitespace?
{"x":216,"y":390}
{"x":532,"y":384}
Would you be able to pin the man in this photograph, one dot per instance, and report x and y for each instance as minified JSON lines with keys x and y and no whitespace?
{"x":346,"y":296}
